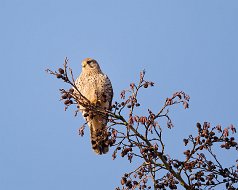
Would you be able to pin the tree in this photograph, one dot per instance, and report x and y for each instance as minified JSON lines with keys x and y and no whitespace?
{"x":140,"y":138}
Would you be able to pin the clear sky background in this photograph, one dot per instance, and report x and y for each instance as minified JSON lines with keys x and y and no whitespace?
{"x":183,"y":45}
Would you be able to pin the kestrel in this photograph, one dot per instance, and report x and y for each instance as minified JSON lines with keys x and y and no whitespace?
{"x":94,"y":85}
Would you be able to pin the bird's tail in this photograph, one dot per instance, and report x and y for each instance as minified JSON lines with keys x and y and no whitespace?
{"x":99,"y":137}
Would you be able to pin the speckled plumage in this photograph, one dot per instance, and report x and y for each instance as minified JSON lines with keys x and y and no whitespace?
{"x":97,"y":88}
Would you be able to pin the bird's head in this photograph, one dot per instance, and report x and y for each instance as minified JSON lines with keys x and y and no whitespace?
{"x":90,"y":64}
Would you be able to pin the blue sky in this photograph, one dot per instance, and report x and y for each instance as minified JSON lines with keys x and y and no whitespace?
{"x":183,"y":45}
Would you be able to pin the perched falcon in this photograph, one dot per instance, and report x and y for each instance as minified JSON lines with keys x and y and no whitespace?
{"x":97,"y":88}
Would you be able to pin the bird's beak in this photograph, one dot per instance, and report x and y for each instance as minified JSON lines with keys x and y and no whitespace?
{"x":84,"y":63}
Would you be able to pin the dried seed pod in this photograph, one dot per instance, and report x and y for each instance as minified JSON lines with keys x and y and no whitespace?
{"x":199,"y":126}
{"x":212,"y":133}
{"x":185,"y":141}
{"x":129,"y":106}
{"x":135,"y":183}
{"x":64,"y":96}
{"x":61,"y":71}
{"x":123,"y":180}
{"x":71,"y":90}
{"x":58,"y":76}
{"x":128,"y":183}
{"x":67,"y":102}
{"x":233,"y":144}
{"x":130,"y":186}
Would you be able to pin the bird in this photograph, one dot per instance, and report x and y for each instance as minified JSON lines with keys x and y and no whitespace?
{"x":96,"y":87}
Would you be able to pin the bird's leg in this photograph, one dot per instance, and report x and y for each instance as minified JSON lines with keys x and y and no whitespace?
{"x":97,"y":103}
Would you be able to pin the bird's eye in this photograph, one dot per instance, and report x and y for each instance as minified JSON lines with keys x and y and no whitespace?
{"x":89,"y":61}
